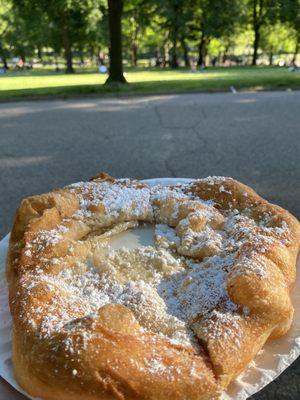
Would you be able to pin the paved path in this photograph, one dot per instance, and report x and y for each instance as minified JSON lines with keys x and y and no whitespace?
{"x":253,"y":137}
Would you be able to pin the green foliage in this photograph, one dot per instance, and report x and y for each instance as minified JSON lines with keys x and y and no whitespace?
{"x":136,"y":20}
{"x":60,"y":24}
{"x":5,"y":29}
{"x":276,"y":39}
{"x":171,"y":31}
{"x":218,"y":17}
{"x":16,"y":37}
{"x":289,"y":13}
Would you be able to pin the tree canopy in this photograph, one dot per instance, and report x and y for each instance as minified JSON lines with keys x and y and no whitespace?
{"x":156,"y":32}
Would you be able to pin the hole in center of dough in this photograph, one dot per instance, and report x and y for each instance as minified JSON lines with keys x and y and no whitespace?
{"x":133,"y":238}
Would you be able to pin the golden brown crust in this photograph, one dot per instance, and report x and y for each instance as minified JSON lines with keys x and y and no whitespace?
{"x":120,"y":359}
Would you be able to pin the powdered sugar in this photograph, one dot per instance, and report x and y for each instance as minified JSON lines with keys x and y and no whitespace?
{"x":165,"y":290}
{"x":166,"y":237}
{"x":48,"y":238}
{"x":114,"y":199}
{"x":204,"y":287}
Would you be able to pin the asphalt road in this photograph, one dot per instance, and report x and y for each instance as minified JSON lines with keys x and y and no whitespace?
{"x":254,"y":137}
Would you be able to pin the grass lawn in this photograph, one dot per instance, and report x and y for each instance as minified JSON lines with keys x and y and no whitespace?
{"x":40,"y":83}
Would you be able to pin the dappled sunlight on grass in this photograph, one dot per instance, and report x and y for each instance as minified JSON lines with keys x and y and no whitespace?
{"x":160,"y":76}
{"x":18,"y":84}
{"x":60,"y":80}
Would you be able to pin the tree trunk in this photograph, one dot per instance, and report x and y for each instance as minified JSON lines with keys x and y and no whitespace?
{"x":271,"y":58}
{"x":23,"y":56}
{"x":255,"y":44}
{"x":81,"y":57}
{"x":257,"y":21}
{"x":115,"y":8}
{"x":157,"y":58}
{"x":202,"y":44}
{"x":91,"y":54}
{"x":56,"y":64}
{"x":98,"y":53}
{"x":39,"y":52}
{"x":134,"y":55}
{"x":69,"y":60}
{"x":4,"y":61}
{"x":202,"y":52}
{"x":134,"y":47}
{"x":186,"y":57}
{"x":225,"y":54}
{"x":296,"y":50}
{"x":67,"y":47}
{"x":173,"y":55}
{"x":164,"y":55}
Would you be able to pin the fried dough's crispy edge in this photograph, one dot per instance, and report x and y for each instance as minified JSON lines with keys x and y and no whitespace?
{"x":110,"y":373}
{"x":97,"y":377}
{"x":269,"y":300}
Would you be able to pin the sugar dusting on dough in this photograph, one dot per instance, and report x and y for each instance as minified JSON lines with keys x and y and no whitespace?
{"x":166,"y":291}
{"x":115,"y":198}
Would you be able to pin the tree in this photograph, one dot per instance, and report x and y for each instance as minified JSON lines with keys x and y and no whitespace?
{"x":264,"y":13}
{"x":276,"y":39}
{"x":18,"y":37}
{"x":152,"y":40}
{"x":169,"y":30}
{"x":136,"y":19}
{"x":115,"y":10}
{"x":95,"y":38}
{"x":260,"y":14}
{"x":214,"y":19}
{"x":185,"y":50}
{"x":63,"y":22}
{"x":174,"y":10}
{"x":176,"y":15}
{"x":289,"y":12}
{"x":258,"y":17}
{"x":5,"y":23}
{"x":69,"y":21}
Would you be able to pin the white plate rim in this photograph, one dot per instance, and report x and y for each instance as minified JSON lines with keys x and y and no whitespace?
{"x":240,"y":387}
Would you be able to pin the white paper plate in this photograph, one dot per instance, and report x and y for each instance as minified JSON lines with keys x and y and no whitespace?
{"x":275,"y":357}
